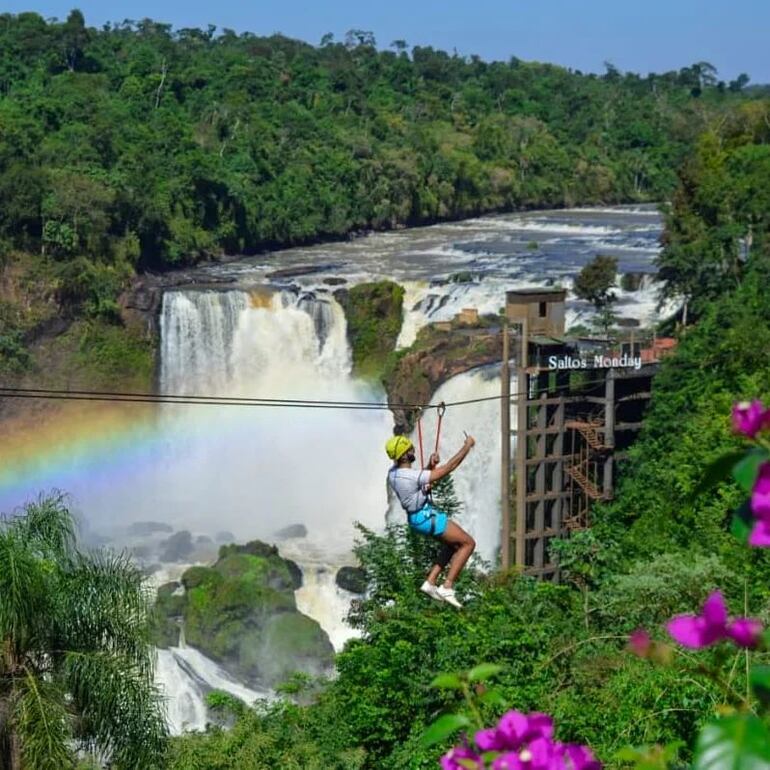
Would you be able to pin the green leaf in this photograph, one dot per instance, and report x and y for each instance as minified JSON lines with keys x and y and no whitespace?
{"x":718,"y":471}
{"x":733,"y":743}
{"x":745,"y":472}
{"x":742,"y":522}
{"x":447,"y":682}
{"x":492,"y":698}
{"x":483,"y":671}
{"x":760,"y":683}
{"x":442,"y":728}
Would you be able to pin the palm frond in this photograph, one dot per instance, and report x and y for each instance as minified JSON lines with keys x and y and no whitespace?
{"x":25,"y":601}
{"x":46,"y":526}
{"x":120,"y":707}
{"x":103,"y":605}
{"x":40,"y":719}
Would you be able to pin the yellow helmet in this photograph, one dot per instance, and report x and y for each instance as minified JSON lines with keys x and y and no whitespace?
{"x":396,"y":446}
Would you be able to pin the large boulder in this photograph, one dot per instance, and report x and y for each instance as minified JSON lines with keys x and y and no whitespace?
{"x":178,"y":547}
{"x":293,"y":530}
{"x":352,"y":579}
{"x":241,"y":613}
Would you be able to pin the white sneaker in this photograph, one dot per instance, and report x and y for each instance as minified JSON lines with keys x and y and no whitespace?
{"x":448,"y":595}
{"x":431,"y":590}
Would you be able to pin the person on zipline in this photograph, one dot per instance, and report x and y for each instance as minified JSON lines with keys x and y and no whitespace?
{"x":412,"y":488}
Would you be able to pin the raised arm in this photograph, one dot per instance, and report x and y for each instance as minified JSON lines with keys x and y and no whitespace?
{"x":453,"y":462}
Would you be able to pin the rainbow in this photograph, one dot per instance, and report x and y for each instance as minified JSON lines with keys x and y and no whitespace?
{"x":65,"y":446}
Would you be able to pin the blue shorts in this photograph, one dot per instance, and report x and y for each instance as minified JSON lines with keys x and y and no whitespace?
{"x":428,"y":520}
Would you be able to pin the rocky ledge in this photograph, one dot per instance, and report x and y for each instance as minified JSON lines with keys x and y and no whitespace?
{"x":436,"y":356}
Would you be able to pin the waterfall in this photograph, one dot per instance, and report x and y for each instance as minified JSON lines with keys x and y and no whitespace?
{"x":319,"y":596}
{"x":254,"y":470}
{"x":185,"y":676}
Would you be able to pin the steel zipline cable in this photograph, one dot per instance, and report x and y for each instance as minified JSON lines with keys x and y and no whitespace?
{"x":197,"y":400}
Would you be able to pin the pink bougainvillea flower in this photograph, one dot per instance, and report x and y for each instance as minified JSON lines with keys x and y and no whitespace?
{"x":516,"y":728}
{"x":760,"y":535}
{"x":711,"y":626}
{"x":545,"y":754}
{"x":581,"y":758}
{"x":490,"y":740}
{"x":750,"y":417}
{"x":760,"y":495}
{"x":640,"y":643}
{"x":701,"y":630}
{"x":461,"y":758}
{"x":745,"y":632}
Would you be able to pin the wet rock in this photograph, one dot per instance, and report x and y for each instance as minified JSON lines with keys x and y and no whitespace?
{"x":178,"y":547}
{"x":168,"y":589}
{"x":293,"y":530}
{"x":335,"y":281}
{"x":147,"y":528}
{"x":252,"y":548}
{"x":434,"y":358}
{"x":634,"y":281}
{"x":352,"y":579}
{"x":295,"y":572}
{"x":299,"y":270}
{"x":241,"y":612}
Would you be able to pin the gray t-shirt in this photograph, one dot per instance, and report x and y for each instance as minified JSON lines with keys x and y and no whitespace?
{"x":410,"y":487}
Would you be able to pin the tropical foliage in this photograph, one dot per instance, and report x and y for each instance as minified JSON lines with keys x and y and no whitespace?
{"x":76,"y":669}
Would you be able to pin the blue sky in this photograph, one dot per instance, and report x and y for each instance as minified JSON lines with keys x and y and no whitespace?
{"x":638,"y":35}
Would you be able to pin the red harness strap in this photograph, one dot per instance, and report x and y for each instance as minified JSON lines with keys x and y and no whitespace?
{"x":419,"y":438}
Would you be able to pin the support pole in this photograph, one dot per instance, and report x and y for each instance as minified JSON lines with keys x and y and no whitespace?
{"x":521,"y":448}
{"x":505,"y":465}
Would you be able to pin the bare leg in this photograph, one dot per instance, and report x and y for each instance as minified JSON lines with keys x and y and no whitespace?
{"x":464,"y":545}
{"x":444,"y":556}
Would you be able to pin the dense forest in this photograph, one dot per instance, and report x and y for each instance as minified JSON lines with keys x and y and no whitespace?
{"x":135,"y":147}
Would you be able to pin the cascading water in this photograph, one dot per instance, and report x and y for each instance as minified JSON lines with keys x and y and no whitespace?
{"x":254,"y":470}
{"x":186,"y":676}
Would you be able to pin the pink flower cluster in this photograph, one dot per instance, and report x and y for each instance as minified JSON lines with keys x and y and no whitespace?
{"x":712,"y":626}
{"x":750,"y":418}
{"x":760,"y":507}
{"x":521,"y":742}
